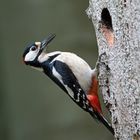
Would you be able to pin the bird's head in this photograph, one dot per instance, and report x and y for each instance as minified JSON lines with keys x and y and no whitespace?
{"x":32,"y":52}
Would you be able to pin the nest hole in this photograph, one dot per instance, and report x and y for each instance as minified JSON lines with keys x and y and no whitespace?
{"x":106,"y":19}
{"x":107,"y":27}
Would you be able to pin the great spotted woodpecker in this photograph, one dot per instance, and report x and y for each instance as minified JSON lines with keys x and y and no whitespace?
{"x":71,"y":73}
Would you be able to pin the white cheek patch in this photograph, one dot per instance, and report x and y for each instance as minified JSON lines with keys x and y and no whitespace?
{"x":30,"y":56}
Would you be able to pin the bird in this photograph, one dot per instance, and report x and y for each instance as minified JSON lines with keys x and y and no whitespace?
{"x":71,"y":73}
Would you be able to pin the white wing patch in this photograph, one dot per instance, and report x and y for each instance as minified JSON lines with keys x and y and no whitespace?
{"x":59,"y":77}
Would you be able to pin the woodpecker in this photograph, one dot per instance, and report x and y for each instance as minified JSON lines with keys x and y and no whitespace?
{"x":71,"y":73}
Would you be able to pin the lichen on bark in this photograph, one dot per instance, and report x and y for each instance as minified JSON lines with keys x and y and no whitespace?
{"x":117,"y":26}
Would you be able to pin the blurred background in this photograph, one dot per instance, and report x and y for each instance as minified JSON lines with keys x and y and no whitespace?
{"x":32,"y":107}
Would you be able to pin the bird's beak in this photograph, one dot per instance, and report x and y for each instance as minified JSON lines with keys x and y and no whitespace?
{"x":46,"y":41}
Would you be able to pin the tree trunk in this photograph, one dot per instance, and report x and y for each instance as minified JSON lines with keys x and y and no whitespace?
{"x":117,"y":26}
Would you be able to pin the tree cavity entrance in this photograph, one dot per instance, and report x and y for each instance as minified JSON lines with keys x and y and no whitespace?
{"x":107,"y":27}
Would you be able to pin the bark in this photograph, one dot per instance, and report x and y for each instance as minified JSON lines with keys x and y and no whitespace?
{"x":117,"y":26}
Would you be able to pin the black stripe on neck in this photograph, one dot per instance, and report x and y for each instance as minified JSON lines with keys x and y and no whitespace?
{"x":52,"y":57}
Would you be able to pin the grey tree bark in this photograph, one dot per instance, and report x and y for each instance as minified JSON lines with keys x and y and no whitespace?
{"x":117,"y":26}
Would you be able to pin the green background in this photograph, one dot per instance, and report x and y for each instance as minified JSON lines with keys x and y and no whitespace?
{"x":32,"y":107}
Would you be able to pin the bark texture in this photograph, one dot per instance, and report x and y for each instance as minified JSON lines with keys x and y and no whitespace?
{"x":117,"y":26}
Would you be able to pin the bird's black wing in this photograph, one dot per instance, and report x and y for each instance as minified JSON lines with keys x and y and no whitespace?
{"x":71,"y":84}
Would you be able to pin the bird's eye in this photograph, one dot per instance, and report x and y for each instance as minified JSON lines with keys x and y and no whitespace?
{"x":33,"y":48}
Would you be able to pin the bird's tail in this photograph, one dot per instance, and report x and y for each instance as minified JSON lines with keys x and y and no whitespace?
{"x":101,"y":118}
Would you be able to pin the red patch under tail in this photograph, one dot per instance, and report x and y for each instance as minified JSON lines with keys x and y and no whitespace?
{"x":93,"y":95}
